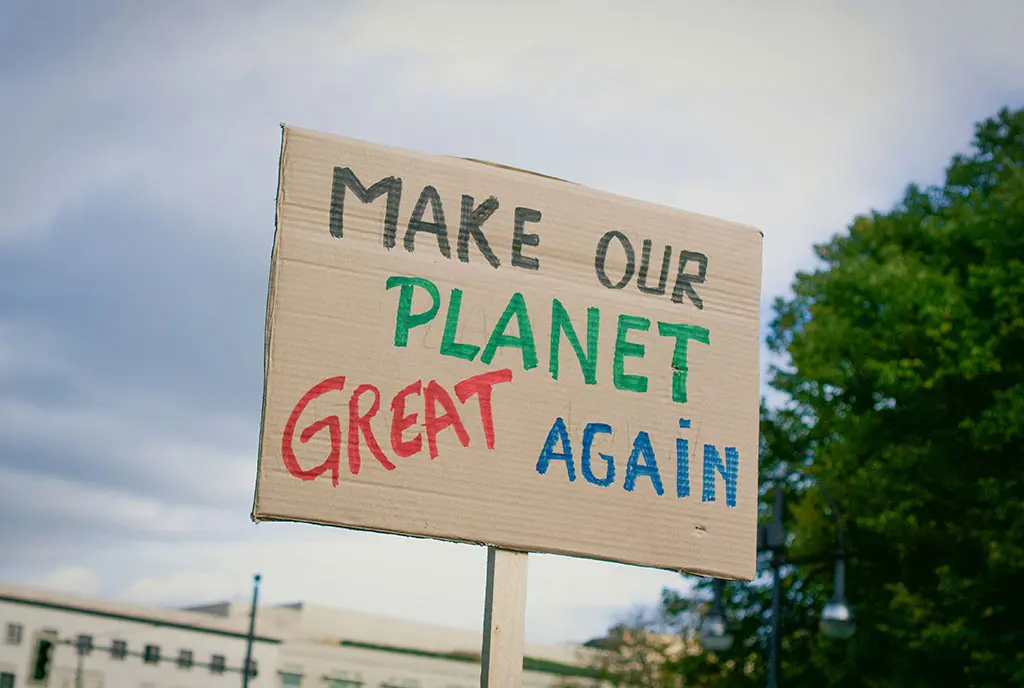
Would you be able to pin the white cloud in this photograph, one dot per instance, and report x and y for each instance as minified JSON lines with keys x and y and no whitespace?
{"x":75,"y":580}
{"x":25,"y":349}
{"x":83,"y":510}
{"x":127,"y":449}
{"x":410,"y":578}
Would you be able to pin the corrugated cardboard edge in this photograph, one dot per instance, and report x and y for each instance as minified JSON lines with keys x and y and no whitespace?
{"x":463,"y":541}
{"x":268,"y":336}
{"x":269,"y":327}
{"x":518,"y":169}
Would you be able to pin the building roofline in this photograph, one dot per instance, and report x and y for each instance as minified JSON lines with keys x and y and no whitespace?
{"x":153,"y":619}
{"x":468,"y":640}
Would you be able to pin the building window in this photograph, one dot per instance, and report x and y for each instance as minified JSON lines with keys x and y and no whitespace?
{"x":151,"y":655}
{"x":84,"y":644}
{"x":290,"y":679}
{"x":217,"y":664}
{"x":14,"y":633}
{"x":6,"y":680}
{"x":185,"y":659}
{"x":343,"y":679}
{"x":118,"y":649}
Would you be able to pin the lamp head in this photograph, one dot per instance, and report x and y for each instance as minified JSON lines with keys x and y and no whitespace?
{"x":837,"y":620}
{"x":714,"y":633}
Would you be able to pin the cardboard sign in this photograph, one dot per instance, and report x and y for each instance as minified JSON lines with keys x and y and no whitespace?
{"x":463,"y":351}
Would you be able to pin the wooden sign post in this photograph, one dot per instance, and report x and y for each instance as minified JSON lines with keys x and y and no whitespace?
{"x":504,"y":619}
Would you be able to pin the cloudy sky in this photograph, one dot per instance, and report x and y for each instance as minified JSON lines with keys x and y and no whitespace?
{"x":137,"y":182}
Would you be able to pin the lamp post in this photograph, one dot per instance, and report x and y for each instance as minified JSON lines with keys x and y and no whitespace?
{"x":247,"y":669}
{"x":836,"y":617}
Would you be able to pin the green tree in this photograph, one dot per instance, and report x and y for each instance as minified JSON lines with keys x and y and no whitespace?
{"x":905,"y":384}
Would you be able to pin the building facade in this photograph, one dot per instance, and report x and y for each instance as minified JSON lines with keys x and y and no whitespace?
{"x":309,"y":646}
{"x":128,"y":646}
{"x":331,"y":648}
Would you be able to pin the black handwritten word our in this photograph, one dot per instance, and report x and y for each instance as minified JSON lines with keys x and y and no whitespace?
{"x":684,"y":280}
{"x":471,"y":225}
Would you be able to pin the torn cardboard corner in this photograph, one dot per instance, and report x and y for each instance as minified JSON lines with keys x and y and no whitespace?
{"x":467,"y":352}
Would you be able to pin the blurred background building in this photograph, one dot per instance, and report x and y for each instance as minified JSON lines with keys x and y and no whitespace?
{"x":132,"y":646}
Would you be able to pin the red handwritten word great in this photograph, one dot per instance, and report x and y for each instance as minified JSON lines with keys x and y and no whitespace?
{"x":439,"y":413}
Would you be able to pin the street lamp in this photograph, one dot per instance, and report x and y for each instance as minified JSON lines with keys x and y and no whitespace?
{"x":836,"y":617}
{"x":714,"y":629}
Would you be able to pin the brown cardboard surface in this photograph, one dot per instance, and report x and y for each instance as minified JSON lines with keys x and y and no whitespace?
{"x":334,"y":335}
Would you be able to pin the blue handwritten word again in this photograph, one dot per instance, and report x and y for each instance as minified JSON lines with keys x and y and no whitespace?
{"x":642,"y":463}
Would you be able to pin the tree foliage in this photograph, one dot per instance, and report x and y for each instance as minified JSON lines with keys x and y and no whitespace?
{"x":639,"y":650}
{"x":905,"y":388}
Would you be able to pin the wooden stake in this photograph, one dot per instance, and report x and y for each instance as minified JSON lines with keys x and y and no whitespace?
{"x":504,"y":619}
